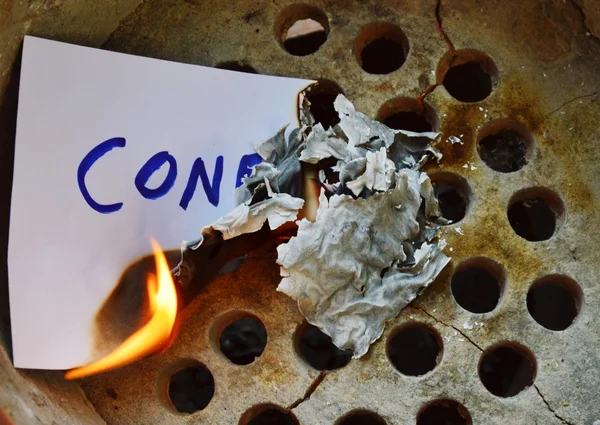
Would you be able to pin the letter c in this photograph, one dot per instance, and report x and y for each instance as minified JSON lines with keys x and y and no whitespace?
{"x":86,"y":164}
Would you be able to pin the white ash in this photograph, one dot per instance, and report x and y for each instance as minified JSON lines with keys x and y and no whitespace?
{"x":373,"y":246}
{"x":370,"y":251}
{"x":455,"y":140}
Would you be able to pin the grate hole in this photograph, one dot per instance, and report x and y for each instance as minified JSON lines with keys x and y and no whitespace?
{"x":381,"y":48}
{"x":554,"y":301}
{"x":237,"y":66}
{"x":404,"y":113}
{"x":507,"y":369}
{"x":302,"y":29}
{"x":534,"y":213}
{"x":361,"y":417}
{"x":477,"y":285}
{"x":415,"y":349}
{"x":191,"y":388}
{"x":453,"y":194}
{"x":468,"y":75}
{"x":444,"y":412}
{"x":321,"y":97}
{"x":317,"y":349}
{"x":268,"y":414}
{"x":505,"y":146}
{"x":243,"y":340}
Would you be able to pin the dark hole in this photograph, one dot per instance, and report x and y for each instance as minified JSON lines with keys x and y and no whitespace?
{"x":243,"y":341}
{"x":444,"y":412}
{"x":506,"y":371}
{"x":382,"y":56}
{"x":191,"y":389}
{"x":408,"y":120}
{"x":319,"y":351}
{"x":475,"y":289}
{"x":468,"y":82}
{"x":452,"y":204}
{"x":322,"y":110}
{"x":361,"y":418}
{"x":415,"y":350}
{"x":237,"y":66}
{"x":326,"y":165}
{"x":552,"y":306}
{"x":504,"y":152}
{"x":273,"y":417}
{"x":305,"y":44}
{"x":532,"y":219}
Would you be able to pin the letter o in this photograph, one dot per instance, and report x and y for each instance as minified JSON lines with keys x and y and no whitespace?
{"x":149,"y":168}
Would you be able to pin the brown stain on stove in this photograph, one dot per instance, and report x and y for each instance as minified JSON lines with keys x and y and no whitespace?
{"x":488,"y":232}
{"x":514,"y":98}
{"x":522,"y":102}
{"x":485,"y":237}
{"x":460,"y":119}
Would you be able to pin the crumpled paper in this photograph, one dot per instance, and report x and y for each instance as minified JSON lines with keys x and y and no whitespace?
{"x":370,"y":250}
{"x":334,"y":266}
{"x":372,"y":247}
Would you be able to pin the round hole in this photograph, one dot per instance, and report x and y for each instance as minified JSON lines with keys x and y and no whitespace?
{"x":361,"y":417}
{"x":535,"y":213}
{"x":268,"y":414}
{"x":478,"y":284}
{"x":453,"y":194}
{"x":444,"y":412}
{"x":505,"y":146}
{"x":302,"y":29}
{"x":237,"y":66}
{"x":404,"y":113}
{"x":240,"y":336}
{"x":507,"y":369}
{"x":186,"y":386}
{"x":320,"y":97}
{"x":317,"y":349}
{"x":381,"y":48}
{"x":554,"y":301}
{"x":468,"y":75}
{"x":415,"y":349}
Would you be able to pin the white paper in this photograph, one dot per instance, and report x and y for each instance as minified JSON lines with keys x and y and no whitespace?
{"x":64,"y":256}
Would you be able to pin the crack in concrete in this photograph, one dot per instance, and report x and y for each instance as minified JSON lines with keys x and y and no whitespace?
{"x":568,"y":102}
{"x":448,"y":326}
{"x":440,"y":28}
{"x":309,"y":391}
{"x":442,"y":31}
{"x":563,"y":420}
{"x":421,"y":98}
{"x":583,"y":18}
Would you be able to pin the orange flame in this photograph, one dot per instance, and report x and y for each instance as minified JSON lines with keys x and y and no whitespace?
{"x":153,"y":335}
